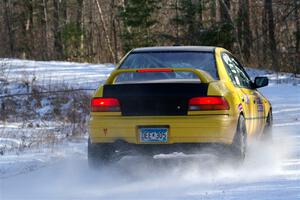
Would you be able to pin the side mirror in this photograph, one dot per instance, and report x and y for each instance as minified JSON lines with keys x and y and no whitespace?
{"x":261,"y":82}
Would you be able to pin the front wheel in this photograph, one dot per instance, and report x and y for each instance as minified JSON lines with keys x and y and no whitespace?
{"x":239,"y":144}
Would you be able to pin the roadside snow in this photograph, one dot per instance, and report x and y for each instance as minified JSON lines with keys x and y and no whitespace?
{"x":78,"y":75}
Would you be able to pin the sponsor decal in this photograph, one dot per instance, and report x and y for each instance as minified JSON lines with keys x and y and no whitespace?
{"x":260,"y":106}
{"x":240,"y":107}
{"x":246,"y":99}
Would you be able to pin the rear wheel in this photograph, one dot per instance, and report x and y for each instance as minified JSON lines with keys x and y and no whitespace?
{"x":267,"y":132}
{"x":239,"y":145}
{"x":100,"y":154}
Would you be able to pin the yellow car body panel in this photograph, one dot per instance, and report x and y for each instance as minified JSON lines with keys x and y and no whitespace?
{"x":216,"y":126}
{"x":182,"y":129}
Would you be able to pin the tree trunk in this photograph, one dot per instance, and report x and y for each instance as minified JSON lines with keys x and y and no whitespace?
{"x":30,"y":28}
{"x":265,"y":37}
{"x":45,"y":28}
{"x":107,"y":38}
{"x":58,"y":46}
{"x":240,"y":19}
{"x":271,"y":31}
{"x":28,"y":40}
{"x":114,"y":29}
{"x":79,"y":24}
{"x":90,"y":36}
{"x":224,"y":8}
{"x":297,"y":35}
{"x":247,"y":38}
{"x":8,"y":23}
{"x":212,"y":8}
{"x":224,"y":11}
{"x":257,"y":45}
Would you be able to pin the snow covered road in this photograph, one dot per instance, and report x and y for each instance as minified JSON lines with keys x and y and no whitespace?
{"x":271,"y":171}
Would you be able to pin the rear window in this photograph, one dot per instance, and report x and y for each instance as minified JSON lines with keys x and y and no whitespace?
{"x":177,"y":59}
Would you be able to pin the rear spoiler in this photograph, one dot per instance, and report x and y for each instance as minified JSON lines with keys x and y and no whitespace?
{"x":202,"y":75}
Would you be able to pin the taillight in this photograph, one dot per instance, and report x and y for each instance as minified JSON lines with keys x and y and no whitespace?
{"x":208,"y":103}
{"x":105,"y":105}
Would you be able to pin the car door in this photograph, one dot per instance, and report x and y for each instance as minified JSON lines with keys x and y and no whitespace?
{"x":260,"y":107}
{"x":243,"y":86}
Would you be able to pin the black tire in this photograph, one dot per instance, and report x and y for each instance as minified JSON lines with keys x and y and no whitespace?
{"x":239,"y":144}
{"x":267,"y":132}
{"x":100,"y":154}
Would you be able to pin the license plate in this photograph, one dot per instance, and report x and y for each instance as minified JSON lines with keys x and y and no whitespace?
{"x":154,"y":134}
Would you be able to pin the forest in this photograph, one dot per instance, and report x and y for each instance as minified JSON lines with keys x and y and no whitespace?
{"x":261,"y":33}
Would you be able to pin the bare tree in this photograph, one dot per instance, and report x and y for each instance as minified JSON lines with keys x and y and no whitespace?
{"x":114,"y":29}
{"x":8,"y":21}
{"x":265,"y":38}
{"x":79,"y":24}
{"x":58,"y":47}
{"x":243,"y":29}
{"x":45,"y":29}
{"x":107,"y":38}
{"x":225,"y":6}
{"x":28,"y":45}
{"x":224,"y":11}
{"x":49,"y":29}
{"x":271,"y":31}
{"x":297,"y":36}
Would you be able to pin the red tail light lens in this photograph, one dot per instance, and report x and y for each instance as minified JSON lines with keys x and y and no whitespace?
{"x":105,"y":105}
{"x":208,"y":103}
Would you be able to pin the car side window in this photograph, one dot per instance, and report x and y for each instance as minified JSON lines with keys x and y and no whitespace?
{"x":236,"y":73}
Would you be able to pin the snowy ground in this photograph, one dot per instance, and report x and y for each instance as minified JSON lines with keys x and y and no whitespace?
{"x":270,"y":171}
{"x":79,"y":75}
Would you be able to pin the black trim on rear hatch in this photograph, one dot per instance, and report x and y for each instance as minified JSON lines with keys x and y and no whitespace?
{"x":155,"y":99}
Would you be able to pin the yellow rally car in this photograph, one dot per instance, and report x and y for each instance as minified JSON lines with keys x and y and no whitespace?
{"x":166,"y":99}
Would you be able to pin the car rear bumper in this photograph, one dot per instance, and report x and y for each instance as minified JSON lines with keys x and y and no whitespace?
{"x":123,"y":148}
{"x":182,"y":129}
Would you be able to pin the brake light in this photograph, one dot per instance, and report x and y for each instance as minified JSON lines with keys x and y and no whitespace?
{"x":208,"y":103}
{"x":105,"y":105}
{"x":154,"y":70}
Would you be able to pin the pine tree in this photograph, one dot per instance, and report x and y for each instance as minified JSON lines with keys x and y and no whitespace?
{"x":188,"y":21}
{"x":138,"y":22}
{"x":193,"y":30}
